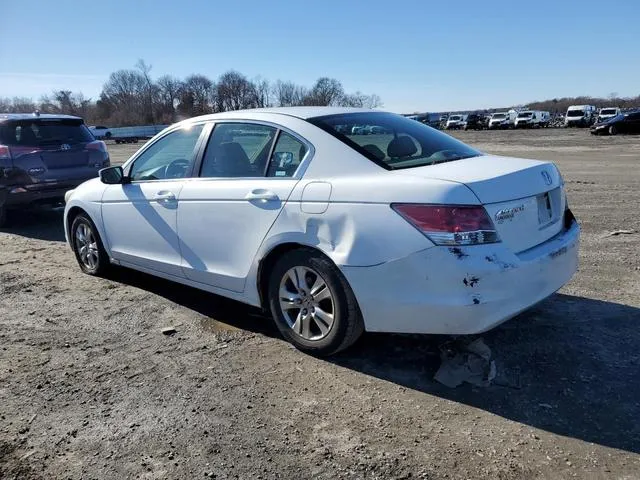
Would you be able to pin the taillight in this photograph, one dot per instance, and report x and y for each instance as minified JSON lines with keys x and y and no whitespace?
{"x":5,"y":154}
{"x":97,"y":145}
{"x":450,"y":224}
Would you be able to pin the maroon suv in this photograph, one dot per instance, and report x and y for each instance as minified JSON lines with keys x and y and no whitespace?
{"x":42,"y":156}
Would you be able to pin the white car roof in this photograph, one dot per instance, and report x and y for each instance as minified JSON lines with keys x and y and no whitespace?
{"x":298,"y":112}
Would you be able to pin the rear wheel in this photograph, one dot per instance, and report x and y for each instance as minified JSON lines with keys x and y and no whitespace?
{"x":87,"y":246}
{"x":312,"y":304}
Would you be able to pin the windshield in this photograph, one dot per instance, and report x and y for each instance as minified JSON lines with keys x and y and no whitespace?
{"x":525,"y":114}
{"x":455,"y":117}
{"x":575,"y":113}
{"x":35,"y":133}
{"x":499,"y":116}
{"x":405,"y":143}
{"x":608,"y":111}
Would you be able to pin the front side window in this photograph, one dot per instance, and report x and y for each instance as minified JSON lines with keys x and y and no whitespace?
{"x":404,"y":143}
{"x":238,"y":150}
{"x":287,"y":155}
{"x":170,"y":157}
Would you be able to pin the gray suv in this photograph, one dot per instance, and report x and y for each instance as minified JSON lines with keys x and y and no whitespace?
{"x":42,"y":156}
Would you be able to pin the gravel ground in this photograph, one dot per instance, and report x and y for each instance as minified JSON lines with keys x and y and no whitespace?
{"x":91,"y":388}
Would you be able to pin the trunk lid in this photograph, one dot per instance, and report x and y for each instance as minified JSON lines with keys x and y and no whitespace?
{"x":524,"y":198}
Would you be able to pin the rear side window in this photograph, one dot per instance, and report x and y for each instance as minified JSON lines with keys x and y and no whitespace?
{"x":287,"y":155}
{"x":393,"y":141}
{"x":34,"y":133}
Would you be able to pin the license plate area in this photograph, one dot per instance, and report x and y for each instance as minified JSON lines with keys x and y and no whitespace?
{"x":545,"y":209}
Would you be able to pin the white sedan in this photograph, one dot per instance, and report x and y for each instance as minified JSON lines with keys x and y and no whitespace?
{"x":332,"y":232}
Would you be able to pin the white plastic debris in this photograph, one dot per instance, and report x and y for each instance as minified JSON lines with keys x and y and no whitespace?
{"x":472,"y":364}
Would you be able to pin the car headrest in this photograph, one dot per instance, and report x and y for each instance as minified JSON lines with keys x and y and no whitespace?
{"x":375,"y":151}
{"x":401,"y":146}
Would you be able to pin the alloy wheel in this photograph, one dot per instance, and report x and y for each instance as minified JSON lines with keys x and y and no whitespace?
{"x":87,"y":246}
{"x":307,"y":303}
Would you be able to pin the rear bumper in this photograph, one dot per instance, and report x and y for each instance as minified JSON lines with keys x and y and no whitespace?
{"x":468,"y":290}
{"x":23,"y":196}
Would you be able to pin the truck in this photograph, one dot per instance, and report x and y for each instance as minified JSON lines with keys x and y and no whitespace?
{"x":126,"y":134}
{"x":580,"y":116}
{"x":455,"y":122}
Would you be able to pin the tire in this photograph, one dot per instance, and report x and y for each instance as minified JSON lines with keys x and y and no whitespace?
{"x":3,"y":216}
{"x":613,"y":130}
{"x":340,"y":324}
{"x":97,"y":262}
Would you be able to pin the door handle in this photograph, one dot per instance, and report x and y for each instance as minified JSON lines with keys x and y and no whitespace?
{"x":164,"y":196}
{"x":262,"y":195}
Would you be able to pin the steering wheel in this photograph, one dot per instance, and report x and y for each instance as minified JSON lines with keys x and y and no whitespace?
{"x":177,"y":168}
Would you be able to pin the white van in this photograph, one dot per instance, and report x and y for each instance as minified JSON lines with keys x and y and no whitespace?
{"x":503,"y":119}
{"x":532,"y":118}
{"x":608,"y":112}
{"x":580,"y":116}
{"x":455,"y":122}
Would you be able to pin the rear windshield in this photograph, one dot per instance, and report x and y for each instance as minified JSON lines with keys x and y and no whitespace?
{"x":499,"y":116}
{"x":455,"y":117}
{"x":575,"y":113}
{"x":39,"y":132}
{"x":404,"y":143}
{"x":608,"y":111}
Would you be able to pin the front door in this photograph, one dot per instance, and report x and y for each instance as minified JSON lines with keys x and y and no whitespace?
{"x":226,"y":213}
{"x":140,"y":218}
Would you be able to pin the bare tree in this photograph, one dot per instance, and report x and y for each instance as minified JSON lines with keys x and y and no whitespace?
{"x":235,"y":92}
{"x":196,"y":96}
{"x":169,"y":89}
{"x":360,"y":100}
{"x":288,"y":94}
{"x":326,"y":91}
{"x":261,"y":92}
{"x":151,"y":90}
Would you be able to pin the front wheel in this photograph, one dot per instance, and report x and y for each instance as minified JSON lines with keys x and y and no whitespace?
{"x":312,"y":304}
{"x":613,"y":130}
{"x":87,"y":246}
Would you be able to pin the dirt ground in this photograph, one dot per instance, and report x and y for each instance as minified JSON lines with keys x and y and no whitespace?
{"x":90,"y":388}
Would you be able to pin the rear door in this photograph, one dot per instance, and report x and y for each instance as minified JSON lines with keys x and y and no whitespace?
{"x":246,"y":176}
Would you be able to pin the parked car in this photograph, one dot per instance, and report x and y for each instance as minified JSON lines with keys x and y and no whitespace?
{"x":474,"y":121}
{"x":623,"y":123}
{"x":101,"y":132}
{"x":606,"y":113}
{"x":332,"y":233}
{"x":455,"y":122}
{"x":43,"y":156}
{"x":580,"y":116}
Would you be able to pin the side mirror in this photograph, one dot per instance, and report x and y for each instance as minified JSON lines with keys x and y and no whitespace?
{"x":112,"y":175}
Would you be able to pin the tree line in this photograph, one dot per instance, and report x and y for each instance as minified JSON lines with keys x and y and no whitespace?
{"x":134,"y":97}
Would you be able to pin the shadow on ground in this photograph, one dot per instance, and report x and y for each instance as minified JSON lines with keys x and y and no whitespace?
{"x":569,"y":366}
{"x":40,"y":224}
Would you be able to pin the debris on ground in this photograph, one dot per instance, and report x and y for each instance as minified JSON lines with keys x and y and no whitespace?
{"x":168,"y":330}
{"x":620,"y":232}
{"x":469,"y":363}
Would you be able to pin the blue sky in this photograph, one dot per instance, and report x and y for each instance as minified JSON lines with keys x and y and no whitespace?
{"x":416,"y":55}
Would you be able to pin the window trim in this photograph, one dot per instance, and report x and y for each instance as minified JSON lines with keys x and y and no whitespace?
{"x":197,"y":149}
{"x":297,"y":175}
